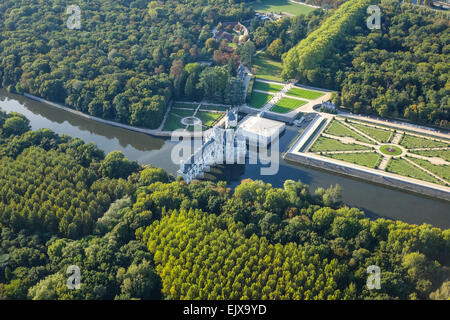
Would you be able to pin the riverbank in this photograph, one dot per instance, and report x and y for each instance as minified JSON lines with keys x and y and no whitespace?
{"x":152,"y":132}
{"x":380,"y":178}
{"x":298,"y":153}
{"x":377,"y":201}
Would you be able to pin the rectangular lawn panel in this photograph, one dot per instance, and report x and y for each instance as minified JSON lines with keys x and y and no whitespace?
{"x":285,"y":105}
{"x":411,"y":142}
{"x":185,"y":105}
{"x":281,"y":6}
{"x":213,"y":107}
{"x":306,"y":94}
{"x":259,"y":99}
{"x":269,"y":87}
{"x":328,"y":144}
{"x":439,"y":170}
{"x":443,"y":154}
{"x":266,"y":68}
{"x":208,"y":118}
{"x":338,"y":129}
{"x":381,"y":135}
{"x":173,"y":122}
{"x":182,"y":113}
{"x":404,"y":168}
{"x":366,"y":159}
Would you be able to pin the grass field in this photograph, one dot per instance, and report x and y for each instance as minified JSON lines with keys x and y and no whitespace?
{"x":185,"y":105}
{"x":441,"y":171}
{"x":173,"y":122}
{"x":269,"y":87}
{"x":404,"y":168}
{"x":208,"y":118}
{"x":286,"y":105}
{"x":338,"y":129}
{"x":182,"y":113}
{"x":366,"y":159}
{"x":443,"y":154}
{"x":306,"y":94}
{"x":280,"y":6}
{"x":266,"y":68}
{"x":258,"y":99}
{"x":212,"y":107}
{"x":381,"y":135}
{"x":411,"y":142}
{"x":328,"y":144}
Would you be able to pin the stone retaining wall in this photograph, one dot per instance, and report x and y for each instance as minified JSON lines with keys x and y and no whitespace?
{"x":368,"y":176}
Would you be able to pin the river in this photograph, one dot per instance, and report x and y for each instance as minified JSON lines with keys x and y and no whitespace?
{"x":375,"y":201}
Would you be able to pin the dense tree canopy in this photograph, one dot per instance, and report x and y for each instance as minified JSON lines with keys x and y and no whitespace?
{"x":119,"y":64}
{"x":400,"y":71}
{"x":145,"y":236}
{"x":404,"y":70}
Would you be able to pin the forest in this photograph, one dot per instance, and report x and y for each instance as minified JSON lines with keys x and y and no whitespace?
{"x":400,"y":71}
{"x":125,"y":63}
{"x":138,"y":233}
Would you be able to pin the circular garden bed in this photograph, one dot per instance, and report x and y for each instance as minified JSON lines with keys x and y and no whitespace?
{"x":390,"y":150}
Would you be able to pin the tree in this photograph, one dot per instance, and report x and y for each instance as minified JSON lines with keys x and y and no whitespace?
{"x":152,"y":175}
{"x":275,"y":49}
{"x":140,"y":281}
{"x":189,"y":89}
{"x":246,"y":52}
{"x":116,"y":165}
{"x":213,"y":82}
{"x":16,"y":126}
{"x":443,"y":293}
{"x":211,"y":44}
{"x":234,"y":92}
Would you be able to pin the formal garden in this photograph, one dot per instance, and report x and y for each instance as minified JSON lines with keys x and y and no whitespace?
{"x":285,"y":105}
{"x":374,"y":146}
{"x":263,"y":90}
{"x":184,"y":115}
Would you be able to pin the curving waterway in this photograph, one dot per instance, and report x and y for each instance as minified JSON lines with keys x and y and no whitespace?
{"x":376,"y":201}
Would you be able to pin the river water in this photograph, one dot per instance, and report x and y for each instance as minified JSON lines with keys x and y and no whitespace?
{"x":375,"y":201}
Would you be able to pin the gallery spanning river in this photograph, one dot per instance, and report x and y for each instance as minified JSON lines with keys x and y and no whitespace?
{"x":376,"y":201}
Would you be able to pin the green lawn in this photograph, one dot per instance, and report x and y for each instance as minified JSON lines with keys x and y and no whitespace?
{"x":443,"y":154}
{"x":182,"y":113}
{"x":173,"y":122}
{"x":185,"y":105}
{"x":286,"y":105}
{"x":280,"y":6}
{"x":338,"y":129}
{"x":404,"y":168}
{"x":258,"y":99}
{"x":269,"y":87}
{"x":381,"y":135}
{"x":208,"y":118}
{"x":212,"y":107}
{"x":411,"y":142}
{"x":441,"y":171}
{"x":328,"y":144}
{"x":266,"y":68}
{"x":306,"y":94}
{"x":366,"y":159}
